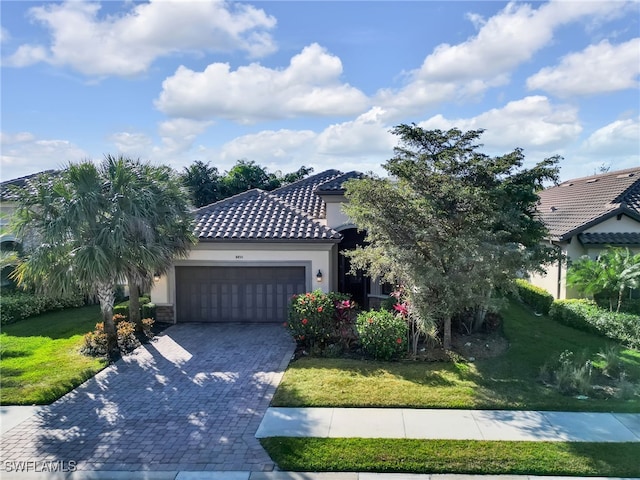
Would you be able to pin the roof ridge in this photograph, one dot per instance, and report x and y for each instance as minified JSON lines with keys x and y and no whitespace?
{"x":228,"y":199}
{"x":603,"y":175}
{"x":307,"y":179}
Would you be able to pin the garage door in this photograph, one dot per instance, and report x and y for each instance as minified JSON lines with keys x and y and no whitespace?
{"x":236,"y":294}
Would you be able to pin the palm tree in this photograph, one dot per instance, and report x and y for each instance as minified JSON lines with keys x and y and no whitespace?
{"x":614,"y":272}
{"x":95,"y":225}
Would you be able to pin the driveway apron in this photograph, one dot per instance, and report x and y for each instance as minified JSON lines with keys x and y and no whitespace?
{"x":192,"y":399}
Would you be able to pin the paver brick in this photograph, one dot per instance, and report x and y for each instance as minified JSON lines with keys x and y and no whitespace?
{"x":192,"y":398}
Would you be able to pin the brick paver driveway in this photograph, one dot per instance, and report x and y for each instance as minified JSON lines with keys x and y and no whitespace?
{"x":190,"y":400}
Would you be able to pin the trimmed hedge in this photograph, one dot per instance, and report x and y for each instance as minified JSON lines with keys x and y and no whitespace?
{"x":535,"y":297}
{"x":18,"y":306}
{"x":586,"y":315}
{"x":147,"y":309}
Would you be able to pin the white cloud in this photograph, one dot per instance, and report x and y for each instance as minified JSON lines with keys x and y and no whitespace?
{"x":132,"y":144}
{"x":269,"y":146}
{"x":127,"y":44}
{"x":5,"y":36}
{"x":532,"y":122}
{"x":504,"y":41}
{"x":23,"y":154}
{"x":366,"y":135}
{"x":617,"y":139}
{"x":597,"y":69}
{"x":310,"y":85}
{"x":179,"y":134}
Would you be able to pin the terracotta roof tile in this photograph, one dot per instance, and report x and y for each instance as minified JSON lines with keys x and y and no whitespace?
{"x":574,"y":205}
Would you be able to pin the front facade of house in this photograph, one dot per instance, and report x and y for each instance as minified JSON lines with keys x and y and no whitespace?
{"x":257,"y":249}
{"x":585,"y":216}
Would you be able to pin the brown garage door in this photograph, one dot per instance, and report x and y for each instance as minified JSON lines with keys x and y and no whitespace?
{"x":236,"y":294}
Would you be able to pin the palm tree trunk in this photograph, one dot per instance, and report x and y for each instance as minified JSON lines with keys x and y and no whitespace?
{"x":620,"y":292}
{"x":134,"y":304}
{"x":106,"y":297}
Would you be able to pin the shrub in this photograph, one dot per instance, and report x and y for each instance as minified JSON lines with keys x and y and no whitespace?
{"x":19,"y":305}
{"x":383,"y":335}
{"x":311,"y":318}
{"x":147,"y":326}
{"x":568,"y":374}
{"x":122,"y":309}
{"x":127,"y":341}
{"x":149,"y":310}
{"x":535,"y":297}
{"x":95,"y":343}
{"x":586,"y":315}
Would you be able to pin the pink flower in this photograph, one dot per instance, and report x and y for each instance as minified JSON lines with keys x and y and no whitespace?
{"x":401,"y":308}
{"x":319,"y":309}
{"x":399,"y":341}
{"x":305,"y":321}
{"x":370,"y":320}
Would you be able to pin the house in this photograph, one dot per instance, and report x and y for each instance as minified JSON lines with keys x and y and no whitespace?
{"x":584,"y":216}
{"x":257,"y":249}
{"x":8,"y":241}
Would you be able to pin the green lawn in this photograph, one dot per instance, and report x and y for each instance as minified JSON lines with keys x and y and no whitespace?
{"x":454,"y":456}
{"x":40,"y":357}
{"x":506,"y":382}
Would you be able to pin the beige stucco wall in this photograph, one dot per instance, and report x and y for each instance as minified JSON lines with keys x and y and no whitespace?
{"x":575,"y":250}
{"x":613,"y":225}
{"x":313,"y":256}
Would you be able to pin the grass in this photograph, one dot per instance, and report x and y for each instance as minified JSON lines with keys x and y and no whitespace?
{"x":454,"y":456}
{"x":506,"y":382}
{"x":40,"y":357}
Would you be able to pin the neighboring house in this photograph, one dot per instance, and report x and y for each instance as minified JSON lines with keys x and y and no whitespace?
{"x":584,"y":216}
{"x":257,"y":249}
{"x":8,"y":242}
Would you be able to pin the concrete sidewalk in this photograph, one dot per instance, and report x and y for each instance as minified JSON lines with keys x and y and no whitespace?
{"x":450,"y":424}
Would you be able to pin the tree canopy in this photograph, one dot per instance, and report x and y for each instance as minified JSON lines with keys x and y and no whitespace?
{"x":451,"y":224}
{"x":207,"y":186}
{"x":96,"y":225}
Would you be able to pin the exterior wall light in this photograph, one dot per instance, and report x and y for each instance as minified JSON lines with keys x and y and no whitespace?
{"x":319,"y":276}
{"x":156,"y":277}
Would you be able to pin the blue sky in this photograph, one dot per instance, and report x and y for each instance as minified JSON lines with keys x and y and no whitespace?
{"x":316,"y":83}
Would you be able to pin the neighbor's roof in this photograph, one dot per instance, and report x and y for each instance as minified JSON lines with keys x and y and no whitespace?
{"x":288,"y":213}
{"x":575,"y":205}
{"x":5,"y":191}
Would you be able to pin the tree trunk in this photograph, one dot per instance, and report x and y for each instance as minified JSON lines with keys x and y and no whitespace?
{"x":620,"y":292}
{"x":106,"y":297}
{"x":446,"y":334}
{"x":134,"y":304}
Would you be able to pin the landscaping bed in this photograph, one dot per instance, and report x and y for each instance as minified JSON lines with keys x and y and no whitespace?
{"x":502,"y":378}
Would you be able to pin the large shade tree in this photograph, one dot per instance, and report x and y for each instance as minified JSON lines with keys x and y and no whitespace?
{"x":98,"y":224}
{"x":450,"y":224}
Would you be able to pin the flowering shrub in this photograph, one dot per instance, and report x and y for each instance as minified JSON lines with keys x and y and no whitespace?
{"x":147,"y":325}
{"x":311,"y":318}
{"x":383,"y":335}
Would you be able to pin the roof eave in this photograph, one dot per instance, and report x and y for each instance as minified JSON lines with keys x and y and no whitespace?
{"x":622,"y":209}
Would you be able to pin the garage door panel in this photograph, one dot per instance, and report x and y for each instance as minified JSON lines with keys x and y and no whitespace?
{"x":245,"y":294}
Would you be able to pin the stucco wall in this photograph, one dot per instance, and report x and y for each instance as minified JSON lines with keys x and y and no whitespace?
{"x":317,"y":255}
{"x":335,"y":216}
{"x":613,"y":225}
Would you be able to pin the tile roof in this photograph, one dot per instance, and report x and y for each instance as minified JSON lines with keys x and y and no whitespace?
{"x":625,"y":238}
{"x":5,"y":192}
{"x":301,"y":194}
{"x":575,"y":205}
{"x":336,"y":186}
{"x":260,"y":215}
